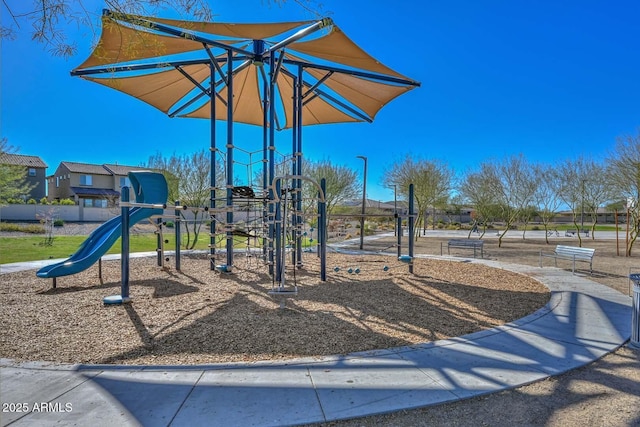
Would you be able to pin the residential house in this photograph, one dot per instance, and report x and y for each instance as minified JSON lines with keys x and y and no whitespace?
{"x":89,"y":185}
{"x":35,"y":176}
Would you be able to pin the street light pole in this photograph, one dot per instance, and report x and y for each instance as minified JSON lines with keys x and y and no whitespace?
{"x":364,"y":201}
{"x":582,"y":210}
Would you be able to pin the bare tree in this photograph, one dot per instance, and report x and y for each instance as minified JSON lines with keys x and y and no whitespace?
{"x":477,"y":189}
{"x":547,"y":195}
{"x":623,"y":175}
{"x":49,"y":18}
{"x":513,"y":185}
{"x":432,"y":181}
{"x":597,"y":193}
{"x":188,"y":177}
{"x":341,"y":183}
{"x":575,"y":176}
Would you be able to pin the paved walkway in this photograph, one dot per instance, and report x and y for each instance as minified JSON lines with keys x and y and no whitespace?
{"x":582,"y":322}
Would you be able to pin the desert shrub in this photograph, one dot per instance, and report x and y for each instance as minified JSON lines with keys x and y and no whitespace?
{"x":31,"y":201}
{"x":44,"y":201}
{"x":67,"y":202}
{"x":31,"y":228}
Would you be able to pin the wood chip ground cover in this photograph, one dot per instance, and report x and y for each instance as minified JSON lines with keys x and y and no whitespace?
{"x":198,"y":316}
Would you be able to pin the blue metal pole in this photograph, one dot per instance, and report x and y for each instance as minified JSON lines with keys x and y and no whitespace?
{"x":265,"y":160}
{"x":159,"y":242}
{"x":294,"y":170}
{"x":229,"y":158}
{"x":124,"y":253}
{"x":298,"y":99}
{"x":178,"y":237}
{"x":278,"y":232}
{"x":322,"y":231}
{"x":212,"y":173}
{"x":272,"y":148}
{"x":411,"y":226}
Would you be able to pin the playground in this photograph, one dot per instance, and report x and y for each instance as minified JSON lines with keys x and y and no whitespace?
{"x":196,"y":316}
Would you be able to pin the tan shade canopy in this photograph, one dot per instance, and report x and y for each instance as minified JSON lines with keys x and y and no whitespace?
{"x":337,"y":47}
{"x":120,"y":43}
{"x":240,"y":31}
{"x":170,"y":87}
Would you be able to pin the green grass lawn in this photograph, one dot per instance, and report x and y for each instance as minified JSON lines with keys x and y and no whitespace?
{"x":31,"y":248}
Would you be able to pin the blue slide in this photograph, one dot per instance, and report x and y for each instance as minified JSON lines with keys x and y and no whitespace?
{"x":103,"y":237}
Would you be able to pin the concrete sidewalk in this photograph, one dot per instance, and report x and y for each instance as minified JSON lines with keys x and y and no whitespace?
{"x":582,"y":322}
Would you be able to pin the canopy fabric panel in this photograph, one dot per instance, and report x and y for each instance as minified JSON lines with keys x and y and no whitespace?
{"x":337,"y":47}
{"x":161,"y":90}
{"x":367,"y":95}
{"x":247,"y":102}
{"x":242,"y":31}
{"x":315,"y":112}
{"x":119,"y":43}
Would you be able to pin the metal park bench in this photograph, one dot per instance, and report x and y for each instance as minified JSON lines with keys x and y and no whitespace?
{"x":464,"y":244}
{"x":571,"y":253}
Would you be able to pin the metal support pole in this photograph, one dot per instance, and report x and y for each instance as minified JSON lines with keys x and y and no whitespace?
{"x":159,"y":242}
{"x":213,"y":164}
{"x":124,"y":253}
{"x":411,"y":226}
{"x":364,"y":201}
{"x":278,"y":232}
{"x":399,"y":233}
{"x":299,"y":171}
{"x":272,"y":149}
{"x":635,"y":312}
{"x":177,"y":231}
{"x":265,"y":160}
{"x":229,"y":158}
{"x":294,"y":170}
{"x":322,"y":230}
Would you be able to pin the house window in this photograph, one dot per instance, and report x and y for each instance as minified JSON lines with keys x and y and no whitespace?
{"x":32,"y":171}
{"x":57,"y":181}
{"x":124,"y":182}
{"x":86,"y":180}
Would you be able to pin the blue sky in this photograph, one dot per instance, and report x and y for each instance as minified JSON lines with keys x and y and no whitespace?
{"x":550,"y":80}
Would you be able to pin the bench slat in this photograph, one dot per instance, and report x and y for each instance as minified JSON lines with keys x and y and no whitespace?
{"x":571,"y":253}
{"x":465,"y":244}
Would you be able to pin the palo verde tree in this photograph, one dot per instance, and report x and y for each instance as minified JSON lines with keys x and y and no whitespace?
{"x":597,"y":193}
{"x":512,"y":184}
{"x":547,"y":195}
{"x":574,"y":177}
{"x":432,"y":183}
{"x":477,"y":190}
{"x":13,"y":178}
{"x":623,"y":175}
{"x":188,"y":177}
{"x":341,"y":183}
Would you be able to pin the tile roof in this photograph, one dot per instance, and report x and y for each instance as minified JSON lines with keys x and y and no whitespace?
{"x":122,"y":169}
{"x":85,"y":168}
{"x":22,"y":160}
